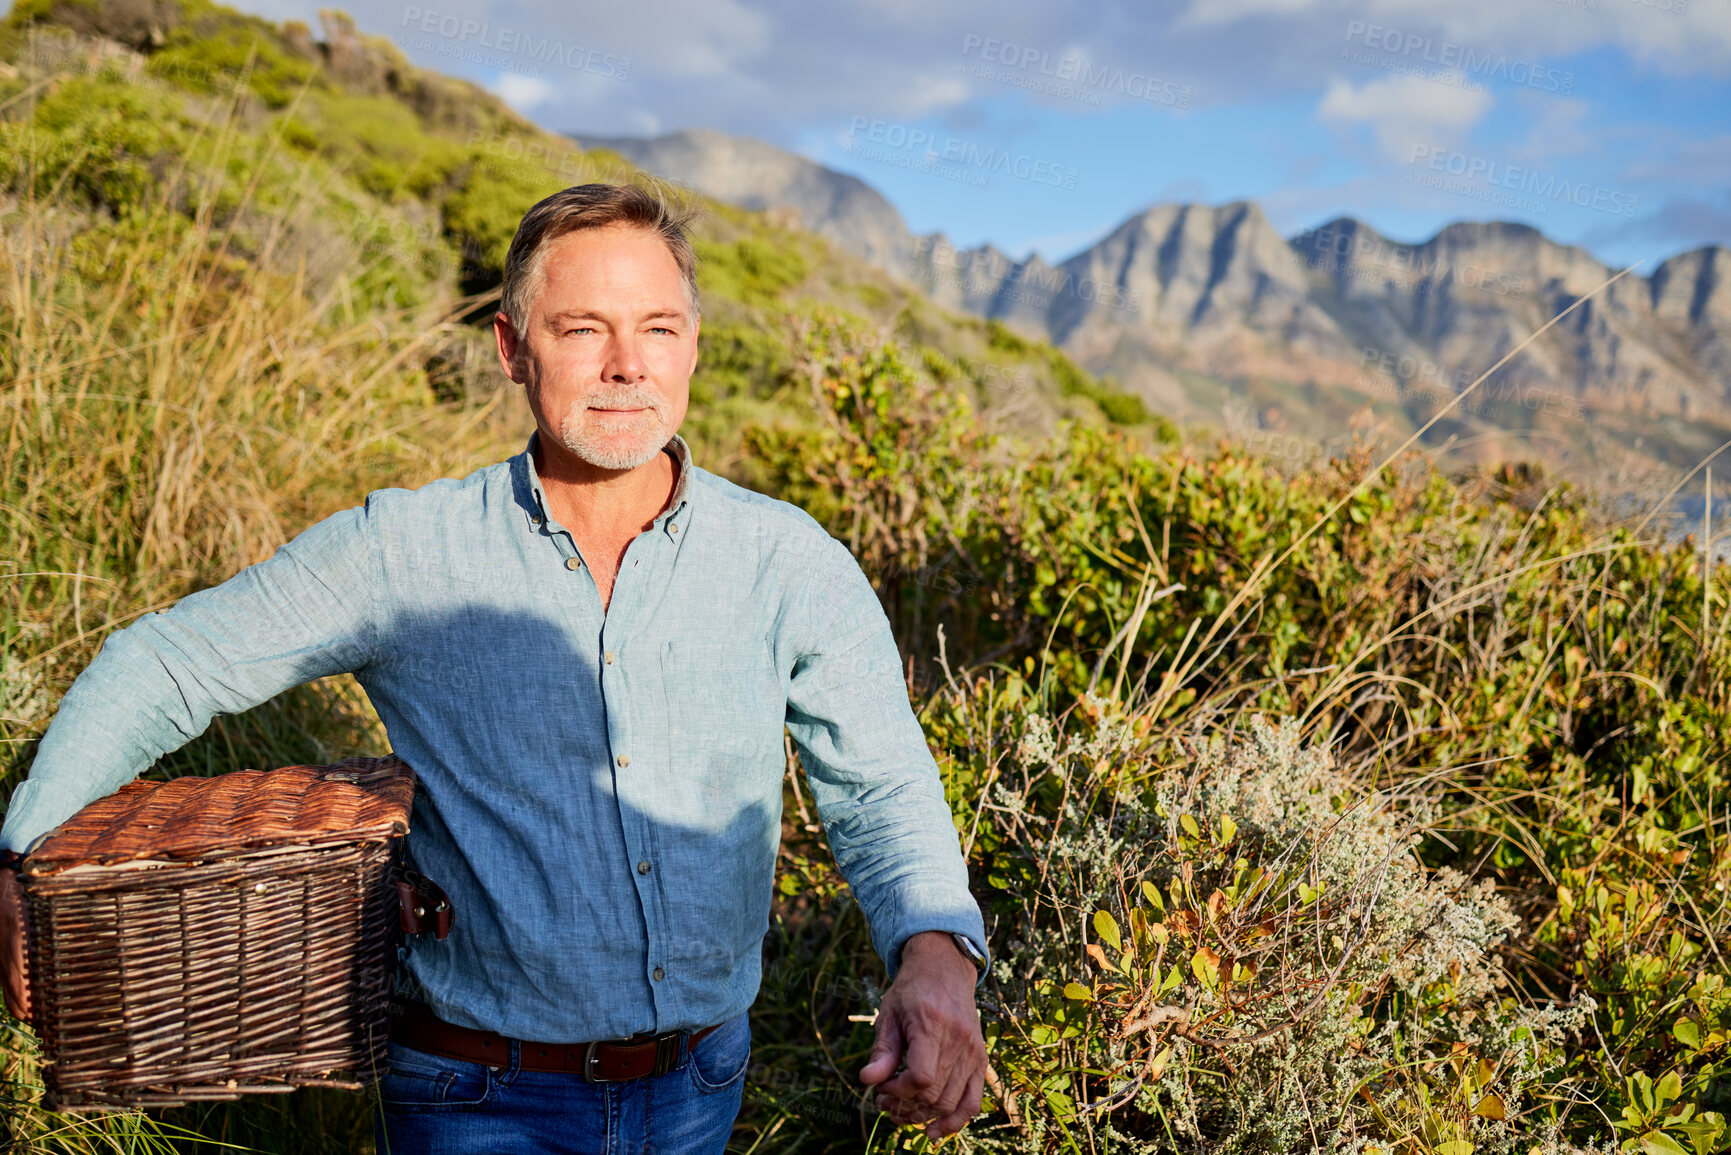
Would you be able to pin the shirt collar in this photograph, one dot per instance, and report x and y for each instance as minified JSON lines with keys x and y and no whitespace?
{"x":533,"y":499}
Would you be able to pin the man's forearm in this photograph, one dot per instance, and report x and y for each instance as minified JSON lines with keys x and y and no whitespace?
{"x":876,"y":785}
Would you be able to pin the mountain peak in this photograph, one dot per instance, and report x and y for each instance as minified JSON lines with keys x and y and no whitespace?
{"x":755,"y":174}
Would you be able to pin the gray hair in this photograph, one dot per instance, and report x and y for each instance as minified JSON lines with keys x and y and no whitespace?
{"x":594,"y":206}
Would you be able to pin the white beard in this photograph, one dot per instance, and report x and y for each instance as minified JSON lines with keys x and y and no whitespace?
{"x":608,"y":443}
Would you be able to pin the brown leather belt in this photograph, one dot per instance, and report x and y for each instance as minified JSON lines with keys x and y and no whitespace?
{"x":606,"y":1061}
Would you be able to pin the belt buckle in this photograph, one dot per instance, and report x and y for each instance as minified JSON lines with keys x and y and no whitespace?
{"x":668,"y":1048}
{"x":589,"y":1075}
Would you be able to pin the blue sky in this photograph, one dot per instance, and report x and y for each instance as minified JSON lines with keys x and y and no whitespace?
{"x":1605,"y":123}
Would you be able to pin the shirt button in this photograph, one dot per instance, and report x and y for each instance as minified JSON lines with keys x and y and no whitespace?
{"x":672,"y":528}
{"x":573,"y":563}
{"x":643,"y":867}
{"x":660,"y":974}
{"x":609,"y":657}
{"x":625,"y":759}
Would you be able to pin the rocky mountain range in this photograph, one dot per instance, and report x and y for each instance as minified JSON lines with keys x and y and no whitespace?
{"x":1211,"y":315}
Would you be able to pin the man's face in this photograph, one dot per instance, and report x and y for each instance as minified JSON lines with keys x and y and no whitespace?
{"x":608,"y":347}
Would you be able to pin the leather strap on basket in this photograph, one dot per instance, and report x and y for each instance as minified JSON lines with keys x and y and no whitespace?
{"x":424,"y":905}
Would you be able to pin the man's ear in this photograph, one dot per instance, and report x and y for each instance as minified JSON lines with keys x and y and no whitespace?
{"x":505,"y":337}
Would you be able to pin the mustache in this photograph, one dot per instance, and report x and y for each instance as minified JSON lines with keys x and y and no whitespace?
{"x":622,"y":401}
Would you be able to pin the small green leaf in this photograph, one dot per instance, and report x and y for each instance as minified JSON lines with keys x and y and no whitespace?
{"x":1454,"y":1147}
{"x":1107,"y":928}
{"x":1188,"y":822}
{"x":1228,"y":828}
{"x":1688,"y":1032}
{"x":1152,"y":894}
{"x":1669,"y":1088}
{"x":1659,"y":1143}
{"x":1078,"y":991}
{"x":1704,"y":1132}
{"x":1158,"y":1066}
{"x":1205,"y":965}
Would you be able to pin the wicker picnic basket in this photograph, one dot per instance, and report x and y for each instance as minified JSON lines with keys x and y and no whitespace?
{"x":207,"y":937}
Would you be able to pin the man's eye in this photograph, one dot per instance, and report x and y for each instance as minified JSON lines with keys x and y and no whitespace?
{"x":580,"y":329}
{"x":661,"y":329}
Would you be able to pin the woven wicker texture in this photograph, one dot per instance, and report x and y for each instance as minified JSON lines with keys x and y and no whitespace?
{"x":196,"y":817}
{"x":161,"y":974}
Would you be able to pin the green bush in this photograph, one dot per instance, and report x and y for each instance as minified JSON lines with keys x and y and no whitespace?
{"x":749,"y":269}
{"x":1537,"y":678}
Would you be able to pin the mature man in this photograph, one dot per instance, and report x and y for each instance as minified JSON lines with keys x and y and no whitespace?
{"x":588,"y":653}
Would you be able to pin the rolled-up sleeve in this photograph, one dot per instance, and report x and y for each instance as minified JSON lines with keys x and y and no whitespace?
{"x":303,"y":613}
{"x":877,"y":788}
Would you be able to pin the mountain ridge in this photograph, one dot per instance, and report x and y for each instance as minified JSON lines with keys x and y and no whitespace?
{"x":1185,"y":303}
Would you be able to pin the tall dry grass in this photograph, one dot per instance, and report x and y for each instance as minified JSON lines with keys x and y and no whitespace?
{"x":173,"y":411}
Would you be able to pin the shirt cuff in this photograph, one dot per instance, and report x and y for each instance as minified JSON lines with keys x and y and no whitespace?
{"x":37,"y":807}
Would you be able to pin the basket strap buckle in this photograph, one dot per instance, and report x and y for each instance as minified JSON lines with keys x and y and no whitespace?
{"x":424,"y":906}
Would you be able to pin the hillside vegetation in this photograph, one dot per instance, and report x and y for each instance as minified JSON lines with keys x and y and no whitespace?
{"x":1349,"y":807}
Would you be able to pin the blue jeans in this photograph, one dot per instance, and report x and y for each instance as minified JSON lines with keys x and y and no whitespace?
{"x":438,"y":1106}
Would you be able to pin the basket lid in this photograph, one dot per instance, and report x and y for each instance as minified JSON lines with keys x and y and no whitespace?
{"x":194,"y":817}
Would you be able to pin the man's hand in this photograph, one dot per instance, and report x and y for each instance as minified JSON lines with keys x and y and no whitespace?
{"x":12,"y":945}
{"x":929,"y":1013}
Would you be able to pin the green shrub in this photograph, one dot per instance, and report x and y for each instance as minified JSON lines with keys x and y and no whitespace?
{"x":748,"y":269}
{"x":233,"y":52}
{"x":1227,"y":946}
{"x":1541,"y":674}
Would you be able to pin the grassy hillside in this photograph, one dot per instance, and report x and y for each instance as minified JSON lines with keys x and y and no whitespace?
{"x":1345,"y":806}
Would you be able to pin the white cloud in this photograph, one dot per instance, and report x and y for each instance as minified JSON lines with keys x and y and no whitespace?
{"x":714,"y":39}
{"x":523,"y":92}
{"x":1401,"y":110}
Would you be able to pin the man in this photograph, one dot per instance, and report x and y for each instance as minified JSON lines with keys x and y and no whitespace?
{"x":588,"y":654}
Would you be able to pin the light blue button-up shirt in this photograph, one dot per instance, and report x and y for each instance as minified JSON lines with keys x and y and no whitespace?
{"x":600,"y":790}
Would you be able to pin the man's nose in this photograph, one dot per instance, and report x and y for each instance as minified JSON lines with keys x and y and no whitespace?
{"x":624,"y":362}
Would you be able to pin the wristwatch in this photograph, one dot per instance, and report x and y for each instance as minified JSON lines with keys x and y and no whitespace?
{"x":969,"y":951}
